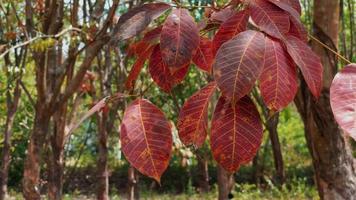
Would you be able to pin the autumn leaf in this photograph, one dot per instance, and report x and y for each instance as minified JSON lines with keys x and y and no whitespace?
{"x":203,"y":57}
{"x":269,"y":18}
{"x":137,"y":19}
{"x":239,"y":63}
{"x":343,"y":99}
{"x":222,"y":15}
{"x":193,"y":117}
{"x":179,"y":39}
{"x":278,"y":81}
{"x":146,"y":138}
{"x":231,"y":27}
{"x":137,"y":67}
{"x":308,"y":62}
{"x":236,"y":133}
{"x":161,"y":74}
{"x":295,"y":4}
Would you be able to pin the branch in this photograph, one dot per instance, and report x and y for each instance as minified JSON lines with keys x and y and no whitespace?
{"x":27,"y":93}
{"x":91,"y":51}
{"x":330,"y":49}
{"x":39,"y":37}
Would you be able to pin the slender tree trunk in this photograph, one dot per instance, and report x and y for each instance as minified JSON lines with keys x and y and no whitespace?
{"x":12,"y":104}
{"x":102,"y":163}
{"x":203,"y":172}
{"x":335,"y":172}
{"x":256,"y":166}
{"x":226,"y":182}
{"x":31,"y":190}
{"x":132,"y":192}
{"x":272,"y":126}
{"x":56,"y":153}
{"x":105,"y":125}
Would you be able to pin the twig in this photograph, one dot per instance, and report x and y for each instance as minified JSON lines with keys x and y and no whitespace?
{"x":175,"y":101}
{"x":27,"y":93}
{"x":330,"y":49}
{"x":39,"y":37}
{"x":146,"y":89}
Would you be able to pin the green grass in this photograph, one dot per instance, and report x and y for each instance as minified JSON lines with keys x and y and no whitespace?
{"x":295,"y":190}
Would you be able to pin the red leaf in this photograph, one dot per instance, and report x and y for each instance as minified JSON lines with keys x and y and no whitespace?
{"x":239,"y":64}
{"x":278,"y":81}
{"x":137,"y":67}
{"x":138,"y":48}
{"x":286,"y":6}
{"x":146,"y":138}
{"x":231,"y":27}
{"x":343,"y":99}
{"x":308,"y":62}
{"x":236,"y":133}
{"x":153,"y":35}
{"x":137,"y":19}
{"x":295,"y":4}
{"x":270,"y":18}
{"x":179,"y":39}
{"x":222,"y":15}
{"x":203,"y":57}
{"x":160,"y":72}
{"x":193,"y":117}
{"x":297,"y":29}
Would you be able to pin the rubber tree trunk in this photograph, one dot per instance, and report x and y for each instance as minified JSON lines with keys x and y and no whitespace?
{"x":272,"y":125}
{"x":256,"y":166}
{"x":203,"y":172}
{"x":12,"y":104}
{"x":226,"y":182}
{"x":335,"y":173}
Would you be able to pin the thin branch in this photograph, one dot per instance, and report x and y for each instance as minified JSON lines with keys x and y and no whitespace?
{"x":27,"y":93}
{"x":175,"y":101}
{"x":330,"y":49}
{"x":39,"y":37}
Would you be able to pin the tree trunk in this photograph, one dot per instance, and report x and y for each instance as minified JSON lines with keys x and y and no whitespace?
{"x":56,"y":152}
{"x":256,"y":166}
{"x":132,"y":191}
{"x":5,"y":156}
{"x":272,"y":126}
{"x":226,"y":182}
{"x":335,"y":173}
{"x":203,"y":172}
{"x":31,"y":177}
{"x":102,"y":163}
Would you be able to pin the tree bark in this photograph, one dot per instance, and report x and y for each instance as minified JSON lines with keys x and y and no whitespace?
{"x":12,"y":104}
{"x":203,"y":172}
{"x":272,"y":125}
{"x":256,"y":166}
{"x":56,"y":153}
{"x":102,"y":163}
{"x":226,"y":182}
{"x":31,"y":190}
{"x":335,"y":173}
{"x":132,"y":190}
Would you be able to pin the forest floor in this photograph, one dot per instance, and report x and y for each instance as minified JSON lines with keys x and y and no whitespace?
{"x":241,"y":192}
